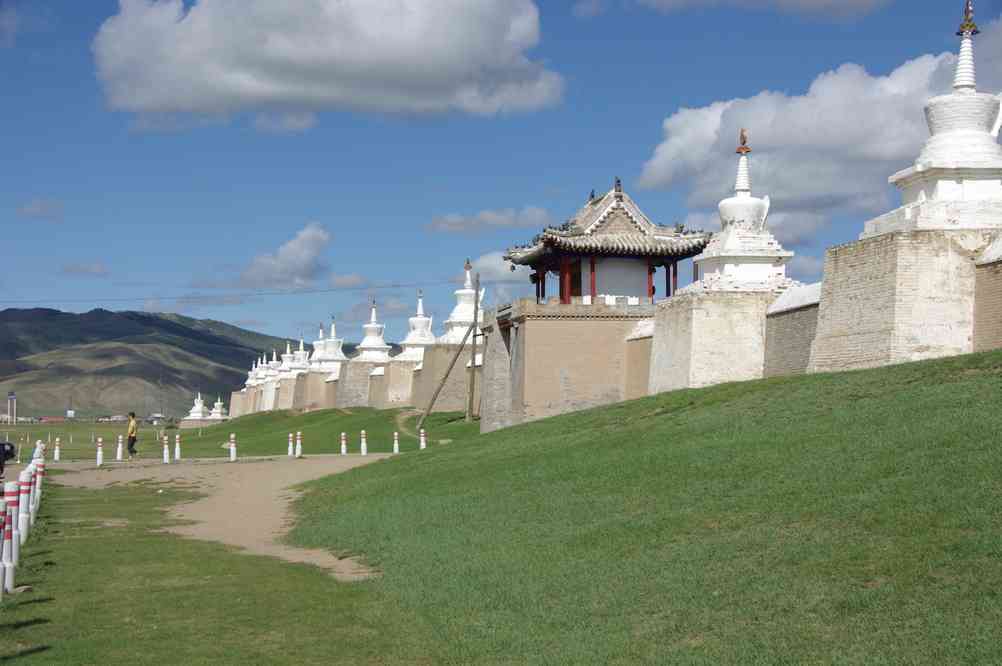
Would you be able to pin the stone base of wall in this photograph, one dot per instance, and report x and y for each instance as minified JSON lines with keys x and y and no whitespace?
{"x":286,"y":394}
{"x":988,"y":307}
{"x":894,"y":298}
{"x":638,"y":368}
{"x":497,"y":407}
{"x":377,"y":391}
{"x":788,"y":339}
{"x":238,"y":403}
{"x":310,"y":392}
{"x":455,"y":393}
{"x":394,"y":388}
{"x":353,"y":384}
{"x":702,"y":339}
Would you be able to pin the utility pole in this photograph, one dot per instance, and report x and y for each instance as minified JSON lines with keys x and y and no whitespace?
{"x":473,"y":348}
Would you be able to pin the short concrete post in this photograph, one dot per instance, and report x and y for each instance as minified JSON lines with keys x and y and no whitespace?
{"x":364,"y":446}
{"x":344,"y":444}
{"x":8,"y":552}
{"x":5,"y":549}
{"x":423,"y":440}
{"x":233,"y":447}
{"x":11,"y":501}
{"x":166,"y":449}
{"x":56,"y":452}
{"x":118,"y":451}
{"x":177,"y":447}
{"x":396,"y":442}
{"x":100,"y":451}
{"x":33,"y":495}
{"x":38,"y":484}
{"x":292,"y":450}
{"x":299,"y":445}
{"x":23,"y":511}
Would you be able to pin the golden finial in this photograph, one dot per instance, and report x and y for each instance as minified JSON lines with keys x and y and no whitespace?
{"x":968,"y":27}
{"x":743,"y":148}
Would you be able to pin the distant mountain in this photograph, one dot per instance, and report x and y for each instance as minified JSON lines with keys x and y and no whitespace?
{"x":105,"y":362}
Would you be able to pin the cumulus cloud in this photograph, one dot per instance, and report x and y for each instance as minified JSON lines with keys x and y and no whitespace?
{"x":349,"y":281}
{"x":387,"y":307}
{"x":97,"y":269}
{"x":288,"y":60}
{"x":297,"y":264}
{"x":503,"y":285}
{"x":834,"y":7}
{"x":826,"y":152}
{"x":49,"y":210}
{"x":8,"y":23}
{"x":487,"y":220}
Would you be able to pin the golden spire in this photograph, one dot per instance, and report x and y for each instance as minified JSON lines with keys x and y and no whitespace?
{"x":968,"y":27}
{"x":743,"y":148}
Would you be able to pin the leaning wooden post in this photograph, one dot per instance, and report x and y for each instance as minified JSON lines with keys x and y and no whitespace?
{"x":473,"y":349}
{"x":448,"y":372}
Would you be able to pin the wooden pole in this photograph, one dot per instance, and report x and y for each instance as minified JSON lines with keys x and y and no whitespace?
{"x":473,"y":349}
{"x":441,"y":384}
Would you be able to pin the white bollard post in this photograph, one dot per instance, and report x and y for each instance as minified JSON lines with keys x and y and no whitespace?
{"x":423,"y":440}
{"x":166,"y":449}
{"x":8,"y":553}
{"x":10,"y":495}
{"x":344,"y":444}
{"x":33,"y":495}
{"x":365,"y":445}
{"x":5,"y":549}
{"x":233,"y":447}
{"x":23,"y":510}
{"x":291,"y":449}
{"x":299,"y":445}
{"x":118,"y":451}
{"x":56,"y":452}
{"x":38,"y":484}
{"x":396,"y":442}
{"x":177,"y":447}
{"x":100,"y":451}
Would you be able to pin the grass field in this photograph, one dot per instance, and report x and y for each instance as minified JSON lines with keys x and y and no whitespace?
{"x":257,"y":435}
{"x":850,"y":518}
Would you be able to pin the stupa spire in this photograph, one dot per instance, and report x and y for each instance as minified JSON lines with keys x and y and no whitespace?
{"x":743,"y":183}
{"x":965,"y":78}
{"x":420,"y":303}
{"x":372,"y":317}
{"x":468,"y":284}
{"x":333,"y":328}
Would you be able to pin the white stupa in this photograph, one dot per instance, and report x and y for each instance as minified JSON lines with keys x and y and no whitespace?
{"x":419,"y":336}
{"x":956,"y":182}
{"x":328,"y":352}
{"x":461,"y":318}
{"x":373,"y":349}
{"x":300,"y":363}
{"x":743,"y":255}
{"x":218,"y":412}
{"x":198,"y":411}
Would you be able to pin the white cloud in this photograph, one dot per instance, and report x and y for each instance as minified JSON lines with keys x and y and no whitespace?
{"x":389,"y":307}
{"x":290,"y":59}
{"x":280,"y":123}
{"x":8,"y":24}
{"x":826,"y":152}
{"x":49,"y":210}
{"x":835,"y":7}
{"x":486,"y":220}
{"x":297,"y":264}
{"x":588,"y":8}
{"x":805,"y":268}
{"x":97,"y":269}
{"x":350,"y":281}
{"x":497,"y":277}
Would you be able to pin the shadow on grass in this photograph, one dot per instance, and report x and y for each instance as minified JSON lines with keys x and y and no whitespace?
{"x":27,"y":652}
{"x":23,"y":624}
{"x":30,"y":602}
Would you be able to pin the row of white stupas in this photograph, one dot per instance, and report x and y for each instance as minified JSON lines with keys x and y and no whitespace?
{"x":328,"y":357}
{"x":199,"y":412}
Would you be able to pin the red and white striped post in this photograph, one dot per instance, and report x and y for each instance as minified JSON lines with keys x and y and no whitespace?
{"x":299,"y":445}
{"x":166,"y":440}
{"x":56,"y":452}
{"x":177,"y":447}
{"x":291,"y":449}
{"x":364,"y":446}
{"x":100,"y":451}
{"x":233,"y":447}
{"x":38,"y":483}
{"x":344,"y":444}
{"x":118,"y":451}
{"x":8,"y":552}
{"x":33,"y":495}
{"x":422,"y":440}
{"x":23,"y":510}
{"x":11,"y":501}
{"x":396,"y":442}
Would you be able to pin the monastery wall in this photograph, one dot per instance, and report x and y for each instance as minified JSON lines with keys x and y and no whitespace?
{"x":496,"y":409}
{"x":377,"y":392}
{"x":988,"y":307}
{"x":238,"y":401}
{"x":353,"y":385}
{"x":330,"y":394}
{"x":285,"y":394}
{"x":400,"y":383}
{"x":788,"y":339}
{"x":455,"y":393}
{"x":638,"y":367}
{"x":312,"y":391}
{"x":707,"y":338}
{"x":894,"y":298}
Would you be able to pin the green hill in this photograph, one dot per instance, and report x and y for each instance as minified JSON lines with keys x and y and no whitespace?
{"x":112,"y":362}
{"x":848,"y":518}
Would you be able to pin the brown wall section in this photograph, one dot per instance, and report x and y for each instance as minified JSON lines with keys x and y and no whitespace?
{"x":788,"y":338}
{"x":638,"y":368}
{"x":455,"y":393}
{"x":988,"y":307}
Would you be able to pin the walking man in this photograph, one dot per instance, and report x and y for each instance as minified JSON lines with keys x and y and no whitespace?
{"x":131,"y":436}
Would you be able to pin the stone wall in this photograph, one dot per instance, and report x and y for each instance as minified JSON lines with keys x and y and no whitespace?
{"x":495,"y":412}
{"x":313,"y":395}
{"x":377,"y":391}
{"x":286,"y":393}
{"x":455,"y":393}
{"x":353,"y":384}
{"x":238,"y":402}
{"x":788,"y":339}
{"x":638,"y":367}
{"x":988,"y":307}
{"x":895,"y":298}
{"x":400,"y":383}
{"x":707,"y":338}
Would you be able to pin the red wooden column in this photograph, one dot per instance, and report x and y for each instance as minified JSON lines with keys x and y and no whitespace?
{"x":542,"y":285}
{"x":650,"y":282}
{"x":565,"y":281}
{"x":594,"y":289}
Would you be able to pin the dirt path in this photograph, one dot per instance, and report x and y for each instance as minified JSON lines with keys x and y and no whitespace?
{"x":246,"y":504}
{"x":402,"y":418}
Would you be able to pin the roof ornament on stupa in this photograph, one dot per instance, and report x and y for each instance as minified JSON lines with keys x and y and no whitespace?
{"x":328,"y":353}
{"x":743,"y":255}
{"x":373,"y":348}
{"x":461,"y":318}
{"x":419,"y":336}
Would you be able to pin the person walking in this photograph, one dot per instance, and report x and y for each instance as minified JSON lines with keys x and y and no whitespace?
{"x":132,"y":434}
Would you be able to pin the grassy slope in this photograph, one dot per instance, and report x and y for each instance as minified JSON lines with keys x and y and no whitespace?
{"x":850,"y":518}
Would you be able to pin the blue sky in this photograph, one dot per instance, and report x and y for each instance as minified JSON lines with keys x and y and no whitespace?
{"x":142,"y":165}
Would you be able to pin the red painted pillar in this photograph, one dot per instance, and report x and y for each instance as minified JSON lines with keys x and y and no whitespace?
{"x":594,"y":289}
{"x":565,"y":281}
